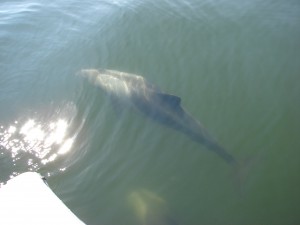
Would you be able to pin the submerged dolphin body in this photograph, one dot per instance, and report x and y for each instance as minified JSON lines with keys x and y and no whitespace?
{"x":150,"y":209}
{"x":161,"y":107}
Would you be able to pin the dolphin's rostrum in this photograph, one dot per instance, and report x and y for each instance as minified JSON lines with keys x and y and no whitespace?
{"x":159,"y":106}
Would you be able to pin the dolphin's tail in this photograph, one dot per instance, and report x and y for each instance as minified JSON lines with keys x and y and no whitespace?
{"x":220,"y":151}
{"x":243,"y":170}
{"x":240,"y":169}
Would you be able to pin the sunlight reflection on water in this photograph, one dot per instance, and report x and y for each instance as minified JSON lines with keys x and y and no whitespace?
{"x":36,"y":142}
{"x":35,"y":138}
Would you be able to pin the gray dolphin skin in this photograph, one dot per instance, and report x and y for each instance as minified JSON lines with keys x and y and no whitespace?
{"x":150,"y":101}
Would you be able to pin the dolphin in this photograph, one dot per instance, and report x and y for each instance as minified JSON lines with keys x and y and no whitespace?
{"x":152,"y":102}
{"x":149,"y":208}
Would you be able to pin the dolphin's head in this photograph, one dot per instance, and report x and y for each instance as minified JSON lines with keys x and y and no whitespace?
{"x":111,"y":83}
{"x":90,"y":74}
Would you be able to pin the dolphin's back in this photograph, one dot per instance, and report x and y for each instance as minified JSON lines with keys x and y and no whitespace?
{"x":167,"y":109}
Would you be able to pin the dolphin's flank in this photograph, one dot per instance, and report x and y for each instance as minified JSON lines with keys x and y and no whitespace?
{"x":164,"y":108}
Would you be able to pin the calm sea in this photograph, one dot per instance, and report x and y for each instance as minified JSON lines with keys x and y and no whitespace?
{"x":236,"y":67}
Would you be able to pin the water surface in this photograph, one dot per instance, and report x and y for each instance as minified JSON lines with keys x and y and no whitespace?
{"x":235,"y":65}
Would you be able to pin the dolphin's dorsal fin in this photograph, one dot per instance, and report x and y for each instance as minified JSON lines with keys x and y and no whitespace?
{"x":170,"y":100}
